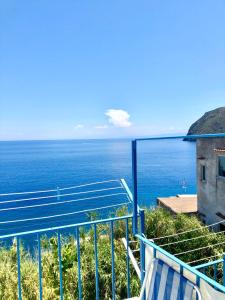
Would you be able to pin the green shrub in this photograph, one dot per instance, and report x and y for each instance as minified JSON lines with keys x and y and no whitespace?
{"x":160,"y":222}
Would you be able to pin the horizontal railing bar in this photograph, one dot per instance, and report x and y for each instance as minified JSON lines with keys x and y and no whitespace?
{"x":59,"y":202}
{"x":183,"y":264}
{"x":201,"y":248}
{"x":64,"y":227}
{"x":91,"y":183}
{"x":125,"y":186}
{"x":61,"y":189}
{"x":194,"y":238}
{"x":23,"y":193}
{"x":59,"y":196}
{"x":204,"y":258}
{"x":211,"y":263}
{"x":46,"y":222}
{"x":195,"y":136}
{"x":63,"y":215}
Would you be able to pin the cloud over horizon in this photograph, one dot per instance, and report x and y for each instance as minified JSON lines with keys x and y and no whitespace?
{"x":78,"y":126}
{"x":118,"y":118}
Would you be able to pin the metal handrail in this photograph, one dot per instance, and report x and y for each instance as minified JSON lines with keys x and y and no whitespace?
{"x":76,"y":230}
{"x":208,"y":264}
{"x":134,"y":164}
{"x":51,"y":229}
{"x":193,"y":136}
{"x":214,"y":264}
{"x":183,"y":265}
{"x":61,"y":189}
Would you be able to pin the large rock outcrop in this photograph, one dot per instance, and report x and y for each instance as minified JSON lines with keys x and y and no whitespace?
{"x":211,"y":122}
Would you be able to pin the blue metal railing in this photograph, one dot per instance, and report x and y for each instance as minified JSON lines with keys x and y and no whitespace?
{"x":76,"y":228}
{"x":61,"y":206}
{"x":79,"y":264}
{"x":183,"y":266}
{"x":155,"y":248}
{"x":111,"y":222}
{"x":135,"y":164}
{"x":211,"y":269}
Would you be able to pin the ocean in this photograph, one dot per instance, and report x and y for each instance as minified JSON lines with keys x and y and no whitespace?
{"x":165,"y":168}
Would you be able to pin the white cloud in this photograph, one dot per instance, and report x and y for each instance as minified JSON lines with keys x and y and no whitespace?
{"x":79,"y":126}
{"x":118,"y":117}
{"x":101,"y":127}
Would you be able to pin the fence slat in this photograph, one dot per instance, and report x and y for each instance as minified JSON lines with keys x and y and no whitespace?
{"x":96,"y":262}
{"x":59,"y":236}
{"x":18,"y":268}
{"x":112,"y":257}
{"x":142,"y":248}
{"x":215,"y":272}
{"x":79,"y":264}
{"x":224,"y":270}
{"x":128,"y":259}
{"x":39,"y":266}
{"x":60,"y":266}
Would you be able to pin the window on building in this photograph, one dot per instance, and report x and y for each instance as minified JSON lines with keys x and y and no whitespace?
{"x":221,"y":167}
{"x":203,"y":173}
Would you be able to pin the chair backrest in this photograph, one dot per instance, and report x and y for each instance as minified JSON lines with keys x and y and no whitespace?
{"x":162,"y":282}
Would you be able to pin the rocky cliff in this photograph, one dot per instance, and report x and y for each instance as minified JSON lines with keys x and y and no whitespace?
{"x":211,"y":122}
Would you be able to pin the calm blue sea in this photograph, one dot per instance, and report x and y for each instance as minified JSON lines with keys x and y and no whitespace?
{"x":165,"y":168}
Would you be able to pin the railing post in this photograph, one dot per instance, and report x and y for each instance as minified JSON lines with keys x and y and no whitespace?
{"x":215,"y":272}
{"x":181,"y":283}
{"x":128,"y":260}
{"x":18,"y":269}
{"x":134,"y":182}
{"x":39,"y":266}
{"x":96,"y":263}
{"x":223,"y":269}
{"x":142,"y":247}
{"x":60,"y":266}
{"x":79,"y":264}
{"x":198,"y":285}
{"x":113,"y":260}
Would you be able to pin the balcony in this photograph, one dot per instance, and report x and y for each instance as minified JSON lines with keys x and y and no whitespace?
{"x":84,"y":257}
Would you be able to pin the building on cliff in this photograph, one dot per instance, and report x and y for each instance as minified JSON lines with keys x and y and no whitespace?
{"x":211,"y":180}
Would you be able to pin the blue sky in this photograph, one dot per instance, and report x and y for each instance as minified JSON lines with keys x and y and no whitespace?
{"x":97,"y":69}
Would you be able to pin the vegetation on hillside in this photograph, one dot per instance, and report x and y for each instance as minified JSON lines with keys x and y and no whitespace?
{"x":158,"y":223}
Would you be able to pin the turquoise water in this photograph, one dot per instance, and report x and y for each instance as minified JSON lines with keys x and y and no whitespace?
{"x":165,"y":168}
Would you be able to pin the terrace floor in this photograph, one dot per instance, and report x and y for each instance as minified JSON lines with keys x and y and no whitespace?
{"x":180,"y":203}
